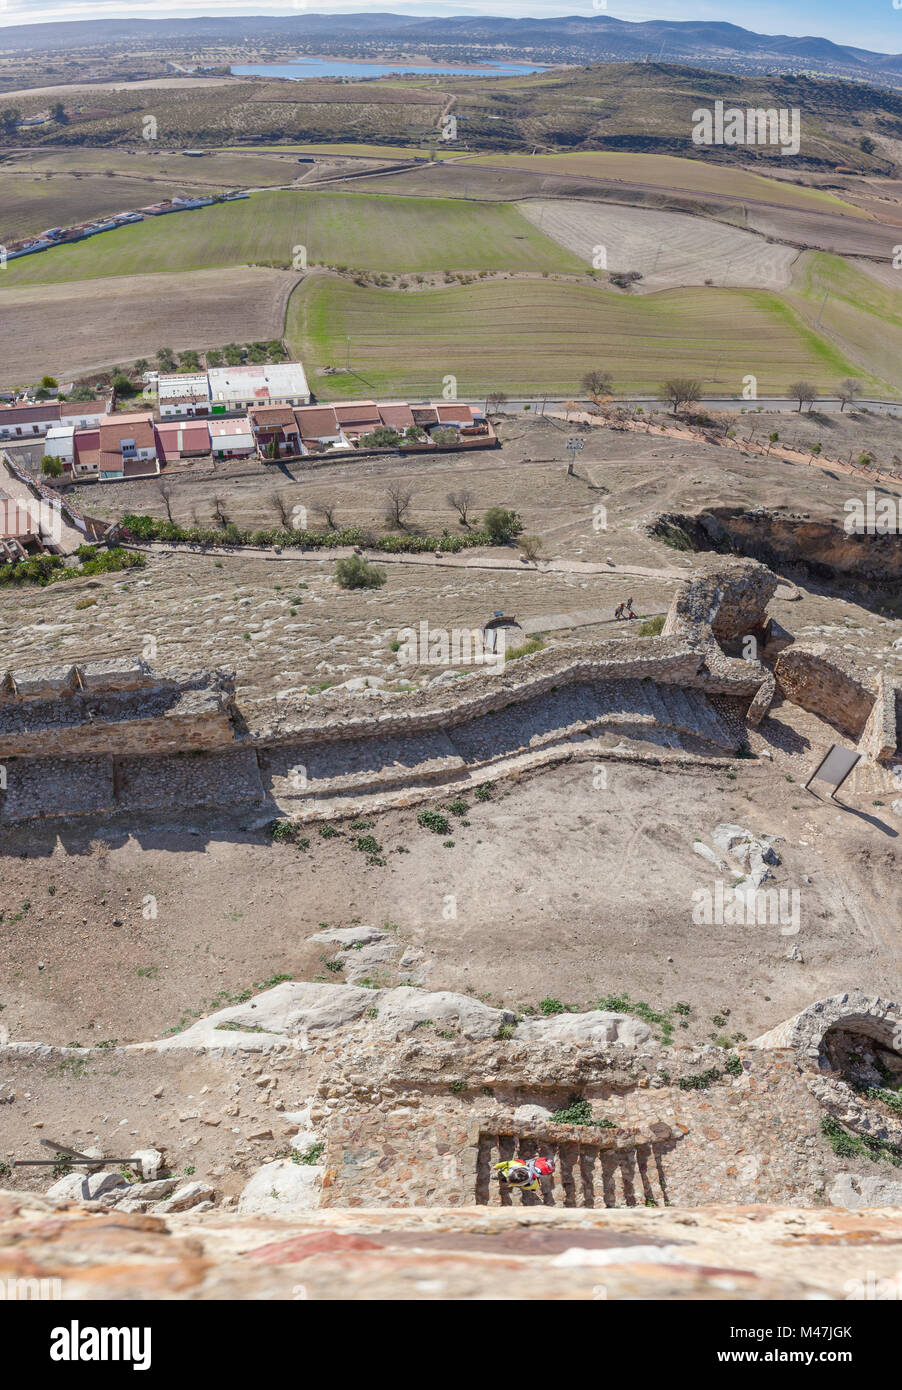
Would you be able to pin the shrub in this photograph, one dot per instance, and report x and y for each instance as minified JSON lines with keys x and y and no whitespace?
{"x":550,"y":1006}
{"x":434,"y":821}
{"x":535,"y":644}
{"x":353,"y":572}
{"x":501,"y":525}
{"x":652,"y":626}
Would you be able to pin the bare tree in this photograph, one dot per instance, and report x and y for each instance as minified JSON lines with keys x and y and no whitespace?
{"x":804,"y":392}
{"x":681,"y":390}
{"x":278,"y":501}
{"x":165,"y":491}
{"x":597,"y":384}
{"x":493,"y":400}
{"x":848,"y":390}
{"x":463,"y":503}
{"x":219,"y":510}
{"x":398,"y":499}
{"x":325,"y":511}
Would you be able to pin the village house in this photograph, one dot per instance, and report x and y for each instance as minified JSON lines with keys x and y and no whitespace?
{"x":86,"y":459}
{"x":357,"y":418}
{"x":59,"y":443}
{"x":28,"y":421}
{"x":128,"y":447}
{"x":319,"y":428}
{"x":231,"y":439}
{"x":182,"y":439}
{"x":276,"y":423}
{"x":83,"y":414}
{"x":239,"y":388}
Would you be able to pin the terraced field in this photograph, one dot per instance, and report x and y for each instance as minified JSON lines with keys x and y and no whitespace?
{"x":670,"y":172}
{"x":667,"y":248}
{"x":529,"y":336}
{"x":369,"y":231}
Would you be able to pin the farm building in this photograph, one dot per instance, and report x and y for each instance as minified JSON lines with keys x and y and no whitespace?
{"x":239,"y":388}
{"x":358,"y":417}
{"x":86,"y":462}
{"x":183,"y":394}
{"x":231,"y":439}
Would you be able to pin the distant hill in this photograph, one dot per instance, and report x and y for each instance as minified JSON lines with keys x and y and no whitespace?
{"x":573,"y":39}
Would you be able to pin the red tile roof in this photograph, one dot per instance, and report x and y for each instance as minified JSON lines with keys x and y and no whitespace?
{"x":460,"y":413}
{"x":270,"y":417}
{"x":317,"y":421}
{"x":29,"y":414}
{"x":358,"y":413}
{"x":115,"y":428}
{"x":396,"y":417}
{"x":82,"y":409}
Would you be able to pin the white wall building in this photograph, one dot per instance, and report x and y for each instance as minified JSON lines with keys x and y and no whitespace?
{"x":239,"y":388}
{"x":186,"y":393}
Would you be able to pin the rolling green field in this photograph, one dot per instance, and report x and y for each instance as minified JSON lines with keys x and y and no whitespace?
{"x":863,"y":317}
{"x":375,"y":232}
{"x":671,"y":172}
{"x":532,"y":336}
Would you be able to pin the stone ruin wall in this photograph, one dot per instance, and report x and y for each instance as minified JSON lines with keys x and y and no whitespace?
{"x":827,"y":684}
{"x":408,"y":1135}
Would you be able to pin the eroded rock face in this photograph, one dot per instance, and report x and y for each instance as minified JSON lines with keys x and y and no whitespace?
{"x":595,"y":1026}
{"x":853,"y":1192}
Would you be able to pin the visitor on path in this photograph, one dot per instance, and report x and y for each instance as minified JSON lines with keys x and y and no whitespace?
{"x":618,"y":611}
{"x":523,"y":1173}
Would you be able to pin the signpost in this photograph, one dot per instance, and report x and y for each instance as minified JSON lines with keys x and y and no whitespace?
{"x":573,"y":447}
{"x":834,"y":768}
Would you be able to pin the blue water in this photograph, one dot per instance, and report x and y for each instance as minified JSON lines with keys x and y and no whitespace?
{"x":322,"y":67}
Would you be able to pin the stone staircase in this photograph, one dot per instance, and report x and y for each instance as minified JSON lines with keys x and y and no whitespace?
{"x":338,"y":777}
{"x":595,"y":1171}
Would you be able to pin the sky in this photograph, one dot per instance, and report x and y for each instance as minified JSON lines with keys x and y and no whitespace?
{"x":874,"y":24}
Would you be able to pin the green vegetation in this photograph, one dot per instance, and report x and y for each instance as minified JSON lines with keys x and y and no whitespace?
{"x":353,"y":572}
{"x":434,"y":821}
{"x":149,"y":528}
{"x":376,"y":232}
{"x":528,"y":648}
{"x":48,"y":569}
{"x":310,"y":1155}
{"x":578,"y":1111}
{"x":525,"y":337}
{"x":652,"y":626}
{"x":846,"y":1145}
{"x":700,"y":1081}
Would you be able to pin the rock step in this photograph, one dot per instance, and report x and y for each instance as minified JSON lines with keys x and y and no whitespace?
{"x":585,"y":1174}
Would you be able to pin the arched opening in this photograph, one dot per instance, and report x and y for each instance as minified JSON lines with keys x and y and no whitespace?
{"x":861,"y":1051}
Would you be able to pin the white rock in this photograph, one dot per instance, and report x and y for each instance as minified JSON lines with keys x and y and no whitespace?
{"x":702,"y":849}
{"x":187,"y":1196}
{"x":853,"y":1192}
{"x":87,"y":1187}
{"x":150,"y":1160}
{"x":350,"y":936}
{"x":594,"y":1026}
{"x":401,"y":1010}
{"x":282,"y":1186}
{"x":288,"y":1010}
{"x":532,"y":1112}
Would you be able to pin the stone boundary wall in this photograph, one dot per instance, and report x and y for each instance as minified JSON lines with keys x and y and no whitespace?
{"x":880,"y":736}
{"x":113,"y":708}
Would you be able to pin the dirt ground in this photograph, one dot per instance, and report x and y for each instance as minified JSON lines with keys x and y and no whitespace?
{"x":562,"y":887}
{"x":83,"y":326}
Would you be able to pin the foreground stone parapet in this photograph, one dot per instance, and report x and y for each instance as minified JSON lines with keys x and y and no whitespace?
{"x":435,"y":1254}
